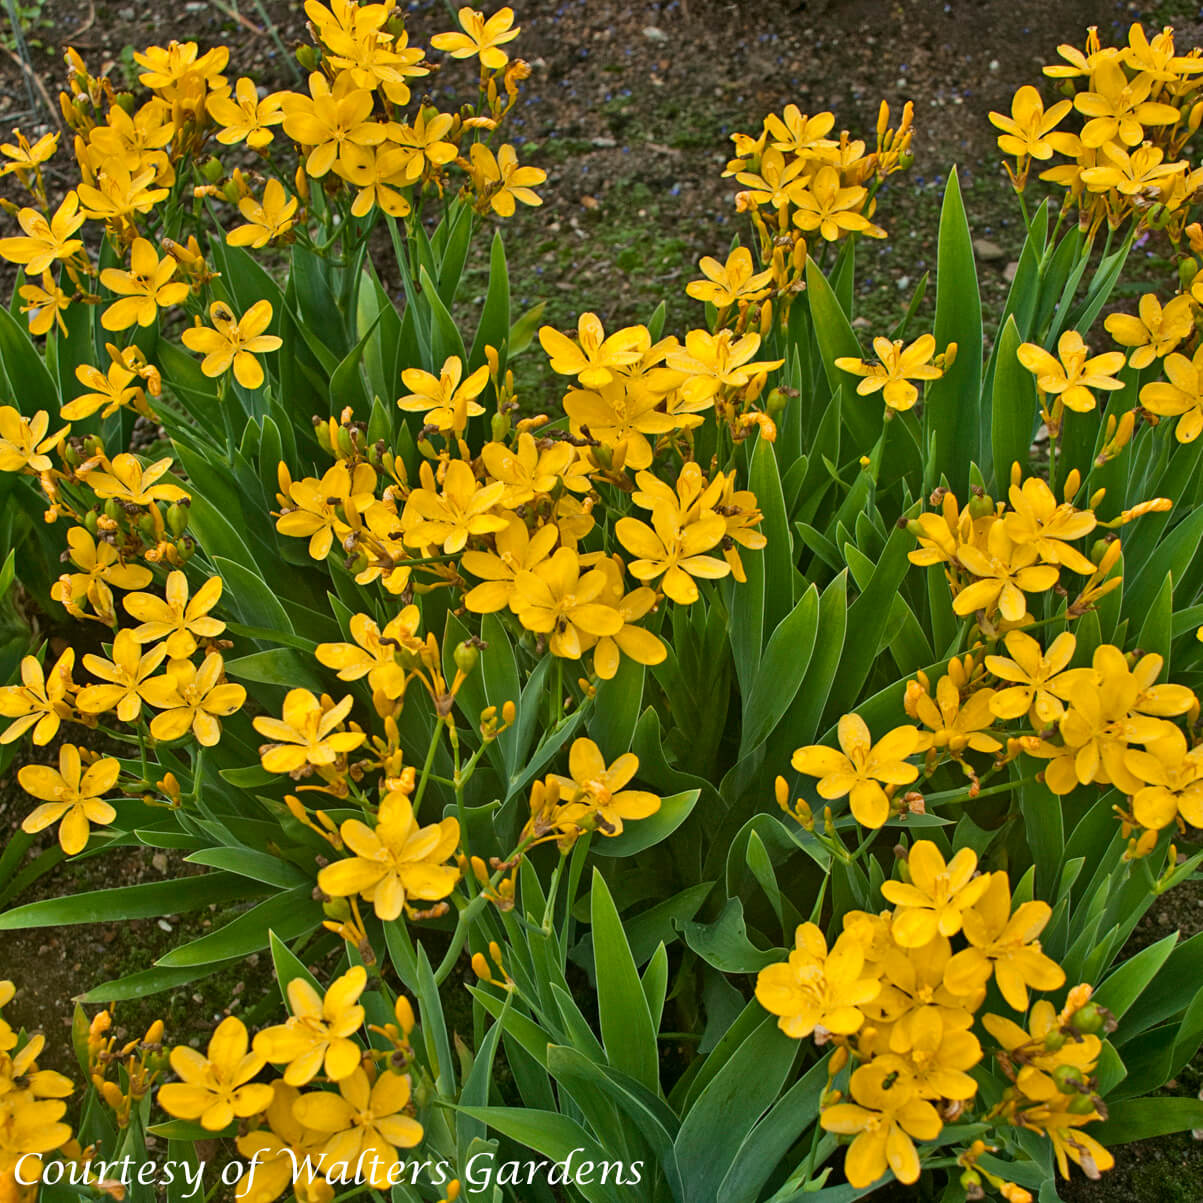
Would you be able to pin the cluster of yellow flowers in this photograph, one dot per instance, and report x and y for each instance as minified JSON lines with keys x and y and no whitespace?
{"x":1106,"y":724}
{"x":348,"y":132}
{"x":293,"y":1135}
{"x":1139,"y":105}
{"x":996,"y":553}
{"x":513,"y":517}
{"x":899,"y":1002}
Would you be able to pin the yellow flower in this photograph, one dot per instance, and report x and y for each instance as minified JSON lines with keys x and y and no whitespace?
{"x":307,"y":733}
{"x":127,"y":480}
{"x":145,"y":289}
{"x":446,"y":402}
{"x":713,"y":362}
{"x":1180,"y":397}
{"x":109,"y":392}
{"x":554,"y":599}
{"x":365,"y":1122}
{"x":176,"y":618}
{"x":45,"y":303}
{"x":315,"y":505}
{"x":896,"y":368}
{"x":448,"y":519}
{"x":330,"y":121}
{"x":265,"y":222}
{"x":595,"y":358}
{"x":1140,"y":173}
{"x":932,"y":902}
{"x":501,"y":181}
{"x":935,"y":1055}
{"x":40,"y":701}
{"x":231,"y":342}
{"x":1073,"y":374}
{"x":480,"y":37}
{"x":516,"y":551}
{"x":374,"y":652}
{"x":378,"y":172}
{"x":120,"y":194}
{"x":597,"y":792}
{"x":833,"y":209}
{"x":100,"y":570}
{"x":1037,"y":521}
{"x":620,"y":416}
{"x":1035,"y":674}
{"x":1119,"y":107}
{"x":318,"y":1034}
{"x":167,"y":69}
{"x":24,"y":443}
{"x":676,"y":552}
{"x":886,"y":1117}
{"x":284,"y":1155}
{"x":396,"y":862}
{"x":1026,"y":131}
{"x":1155,"y":332}
{"x":1174,"y":781}
{"x":1006,"y":571}
{"x":527,"y":470}
{"x":24,"y":156}
{"x":243,"y":117}
{"x":70,"y":795}
{"x":955,"y":723}
{"x":862,"y":768}
{"x":127,"y":674}
{"x":45,"y":241}
{"x":192,"y":699}
{"x":733,"y":281}
{"x":817,"y":988}
{"x":217,"y":1089}
{"x":1005,"y":944}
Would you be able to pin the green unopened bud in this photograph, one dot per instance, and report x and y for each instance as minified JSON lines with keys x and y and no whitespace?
{"x":500,"y":427}
{"x":775,"y":402}
{"x":212,"y":169}
{"x":1089,"y":1020}
{"x":177,"y":517}
{"x":466,"y":655}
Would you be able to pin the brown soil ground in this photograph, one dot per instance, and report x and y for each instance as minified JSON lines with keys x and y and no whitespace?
{"x":629,"y":110}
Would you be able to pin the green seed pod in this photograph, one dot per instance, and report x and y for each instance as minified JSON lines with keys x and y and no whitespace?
{"x":91,"y":522}
{"x":981,"y":507}
{"x":112,"y":509}
{"x":212,"y":169}
{"x":308,"y":57}
{"x":1081,"y":1104}
{"x":1098,"y":549}
{"x":338,"y":909}
{"x":177,"y":518}
{"x":1053,"y":1040}
{"x":500,"y":426}
{"x":1089,"y":1020}
{"x":345,"y":445}
{"x":1187,"y":270}
{"x":126,"y":102}
{"x":1067,"y":1079}
{"x":322,"y":431}
{"x":146,"y":526}
{"x":466,"y":655}
{"x":775,"y":402}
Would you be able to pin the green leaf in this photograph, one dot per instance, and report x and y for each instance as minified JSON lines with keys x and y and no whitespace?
{"x":639,"y":834}
{"x":30,"y":384}
{"x":1013,"y":408}
{"x":258,"y":866}
{"x":1142,"y":1119}
{"x":147,"y":900}
{"x":279,"y":666}
{"x":801,"y":722}
{"x":951,"y":410}
{"x":145,"y":983}
{"x":785,"y":661}
{"x":626,"y":1023}
{"x":445,"y":338}
{"x":555,"y":1136}
{"x":1123,"y":987}
{"x":725,"y":1112}
{"x":288,"y":967}
{"x":725,"y":944}
{"x":494,"y":327}
{"x":291,"y":914}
